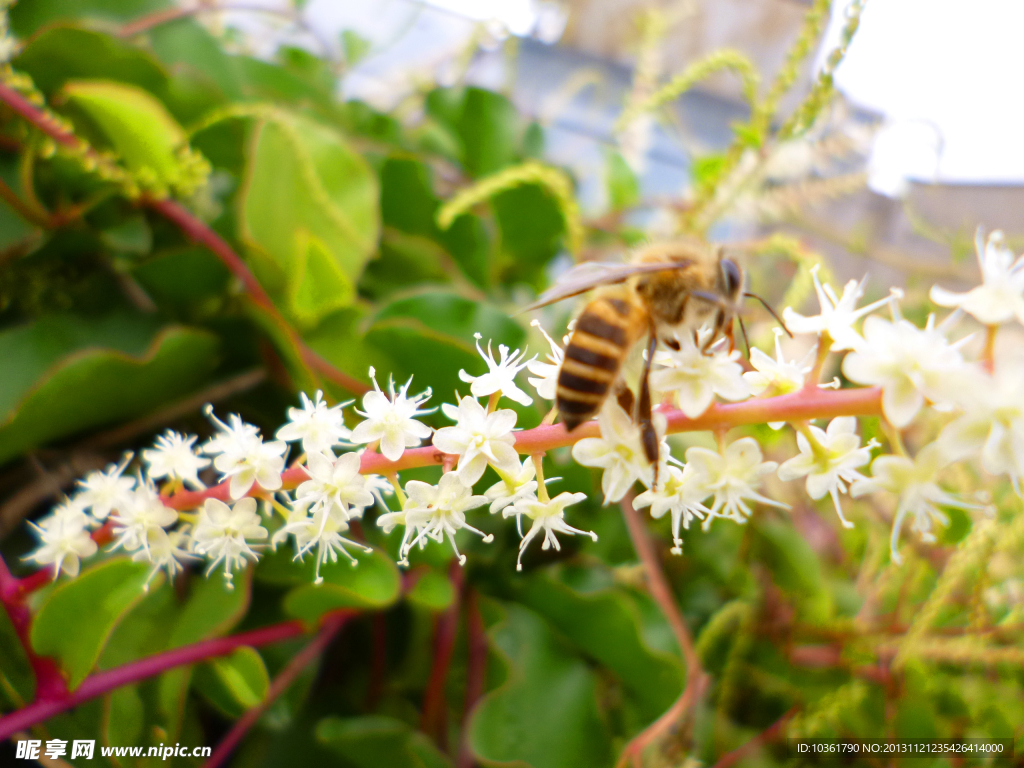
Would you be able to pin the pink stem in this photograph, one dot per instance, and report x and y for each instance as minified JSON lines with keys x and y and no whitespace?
{"x":332,"y":625}
{"x":102,"y":682}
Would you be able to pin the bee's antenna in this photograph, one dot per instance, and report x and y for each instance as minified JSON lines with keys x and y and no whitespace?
{"x":743,"y":330}
{"x":771,"y":311}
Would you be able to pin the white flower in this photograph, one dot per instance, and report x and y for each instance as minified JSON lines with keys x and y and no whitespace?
{"x":439,"y":511}
{"x":142,"y":513}
{"x":549,"y":517}
{"x":104,"y":491}
{"x":831,"y":463}
{"x":618,"y":451}
{"x":1000,"y":297}
{"x":318,"y":426}
{"x":776,"y":377}
{"x":222,"y":533}
{"x":164,"y":549}
{"x":243,"y":456}
{"x":176,"y":459}
{"x":909,"y":363}
{"x":695,"y":377}
{"x":914,"y":481}
{"x":478,"y":439}
{"x":500,"y":376}
{"x":392,"y":420}
{"x":69,"y":511}
{"x":546,"y":382}
{"x":731,"y":477}
{"x":63,"y":541}
{"x":681,"y":495}
{"x":391,"y":520}
{"x":837,"y":314}
{"x":334,"y":484}
{"x":992,"y":422}
{"x":512,"y":488}
{"x":323,"y":530}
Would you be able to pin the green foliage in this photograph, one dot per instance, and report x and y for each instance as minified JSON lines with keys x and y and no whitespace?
{"x":98,"y":599}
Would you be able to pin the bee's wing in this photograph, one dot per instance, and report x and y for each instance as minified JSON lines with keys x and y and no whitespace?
{"x":591,"y":274}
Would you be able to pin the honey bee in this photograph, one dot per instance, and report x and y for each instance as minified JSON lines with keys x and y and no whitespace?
{"x":666,"y":290}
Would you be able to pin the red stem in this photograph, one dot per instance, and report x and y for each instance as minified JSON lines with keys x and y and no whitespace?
{"x":332,"y":625}
{"x":476,"y":673}
{"x":102,"y":682}
{"x":432,"y":716}
{"x":378,"y":659}
{"x":766,"y":736}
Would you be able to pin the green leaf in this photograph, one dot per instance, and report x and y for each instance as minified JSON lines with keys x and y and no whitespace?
{"x":30,"y":15}
{"x":15,"y":669}
{"x":184,"y":278}
{"x":430,"y":335}
{"x":623,"y":186}
{"x":97,"y":600}
{"x":795,"y":567}
{"x":432,"y":591}
{"x":373,"y":583}
{"x":319,"y":286}
{"x":63,"y":374}
{"x":304,"y":184}
{"x":141,"y":130}
{"x":545,"y":715}
{"x":606,"y":625}
{"x":123,"y":717}
{"x":130,"y":236}
{"x":485,"y":123}
{"x":374,"y":742}
{"x":234,"y":683}
{"x":62,"y":53}
{"x":355,"y":46}
{"x":531,"y":228}
{"x":211,"y":611}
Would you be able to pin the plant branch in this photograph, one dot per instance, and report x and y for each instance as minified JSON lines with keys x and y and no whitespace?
{"x":767,"y":736}
{"x":661,"y":591}
{"x":102,"y":682}
{"x":332,"y":625}
{"x":432,"y":714}
{"x":476,"y":673}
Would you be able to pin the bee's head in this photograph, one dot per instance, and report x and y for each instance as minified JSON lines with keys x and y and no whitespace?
{"x":731,"y":278}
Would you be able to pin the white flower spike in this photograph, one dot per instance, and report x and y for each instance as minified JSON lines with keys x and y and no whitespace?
{"x":681,"y":495}
{"x":102,"y":492}
{"x":546,"y":382}
{"x":392,"y":420}
{"x":145,"y":512}
{"x":837,"y":314}
{"x":500,"y":376}
{"x":911,"y":365}
{"x":830,"y":464}
{"x":508,"y":491}
{"x":915,"y":481}
{"x":323,"y":530}
{"x":694,"y":378}
{"x":439,"y":511}
{"x":731,"y":477}
{"x":243,"y":457}
{"x":174,"y":457}
{"x":618,"y":451}
{"x":318,"y":426}
{"x":478,"y":439}
{"x":549,"y":517}
{"x":223,"y":534}
{"x":166,"y":550}
{"x":1000,"y":297}
{"x":334,"y":484}
{"x":63,"y":542}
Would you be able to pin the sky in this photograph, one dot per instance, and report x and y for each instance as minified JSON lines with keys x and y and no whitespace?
{"x":947,"y":75}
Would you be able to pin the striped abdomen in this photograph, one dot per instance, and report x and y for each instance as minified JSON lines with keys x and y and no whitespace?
{"x":604,"y":334}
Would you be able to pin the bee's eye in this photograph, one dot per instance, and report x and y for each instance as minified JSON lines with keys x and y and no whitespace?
{"x":733,"y":277}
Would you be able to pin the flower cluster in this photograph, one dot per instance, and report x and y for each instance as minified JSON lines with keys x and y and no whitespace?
{"x":973,"y":409}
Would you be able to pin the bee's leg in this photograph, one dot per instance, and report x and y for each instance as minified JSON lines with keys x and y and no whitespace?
{"x":648,"y":435}
{"x":624,"y":396}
